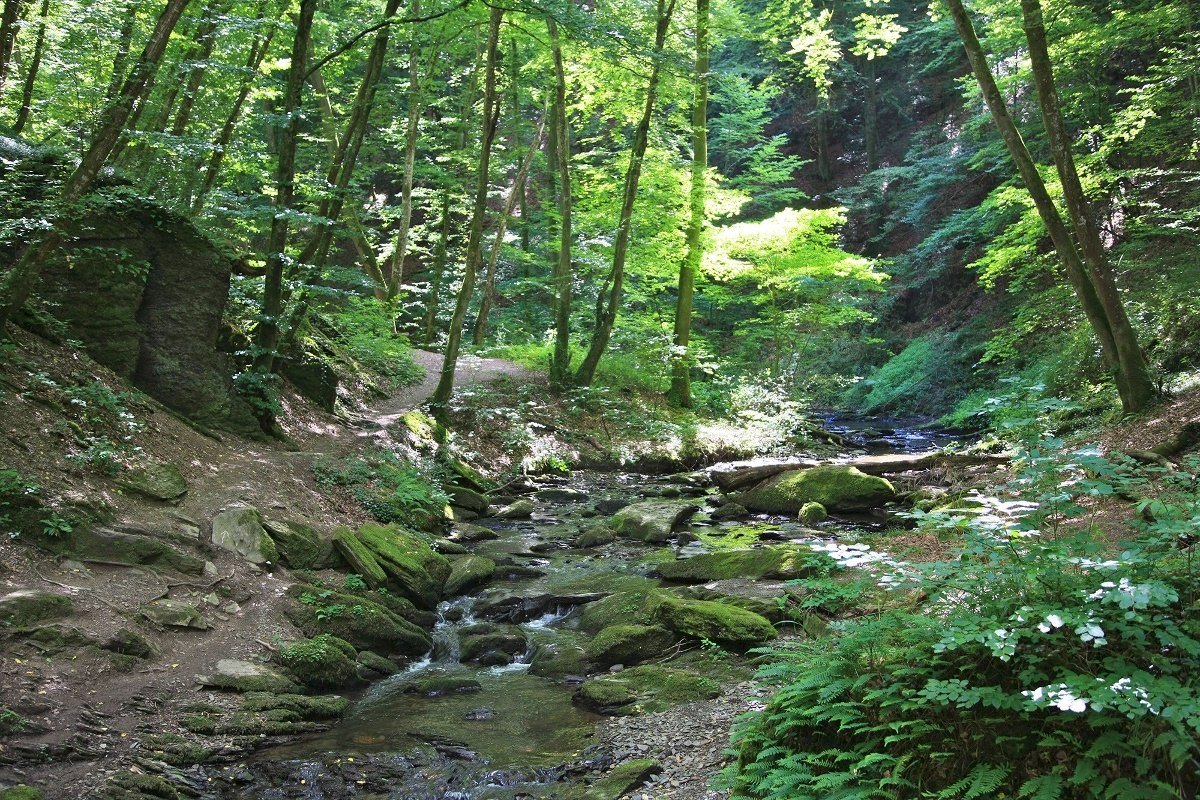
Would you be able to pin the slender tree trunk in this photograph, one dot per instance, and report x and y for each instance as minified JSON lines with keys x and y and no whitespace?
{"x":560,"y":164}
{"x":124,"y":44}
{"x":680,"y":393}
{"x":1132,"y":375}
{"x":606,"y":312}
{"x":438,"y":267}
{"x":824,"y":158}
{"x":871,"y":117}
{"x":489,"y":288}
{"x":20,"y":280}
{"x":445,"y":387}
{"x":411,"y":132}
{"x":254,"y":59}
{"x":10,"y":21}
{"x":35,"y":64}
{"x":266,"y":336}
{"x":206,"y":40}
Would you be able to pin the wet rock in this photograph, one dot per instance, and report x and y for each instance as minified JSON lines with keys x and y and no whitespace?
{"x":376,"y":663}
{"x":596,"y":536}
{"x":811,"y":513}
{"x":240,"y":531}
{"x":476,"y":641}
{"x":173,"y":614}
{"x":652,"y":521}
{"x":246,"y":676}
{"x":520,"y":509}
{"x":449,"y":548}
{"x":468,"y":498}
{"x":644,"y":689}
{"x":783,"y":563}
{"x":413,"y":569}
{"x":25,"y":607}
{"x":837,"y":488}
{"x":464,"y":532}
{"x":725,"y":624}
{"x":323,"y":662}
{"x":156,"y":481}
{"x":436,"y":685}
{"x":730,"y":511}
{"x":611,"y":505}
{"x":628,"y":644}
{"x":480,"y":714}
{"x":364,"y":623}
{"x":360,"y":558}
{"x":469,"y":572}
{"x":557,"y":660}
{"x":299,"y":546}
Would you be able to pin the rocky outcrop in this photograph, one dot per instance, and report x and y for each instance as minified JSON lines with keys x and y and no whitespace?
{"x":837,"y":488}
{"x":652,"y":520}
{"x":240,"y":531}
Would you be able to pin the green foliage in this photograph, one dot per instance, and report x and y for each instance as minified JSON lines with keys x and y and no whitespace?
{"x":389,"y":488}
{"x":354,"y":583}
{"x":922,"y":377}
{"x":366,"y":327}
{"x":1049,"y":662}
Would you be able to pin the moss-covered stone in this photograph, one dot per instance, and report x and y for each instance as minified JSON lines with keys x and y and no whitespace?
{"x":240,"y":531}
{"x":837,"y":487}
{"x":465,"y":532}
{"x":812,"y":512}
{"x":413,"y":567}
{"x":558,"y":660}
{"x":360,"y":558}
{"x":469,"y":499}
{"x":727,"y":625}
{"x":21,"y":792}
{"x":477,"y":641}
{"x":246,"y":676}
{"x":644,"y":689}
{"x":364,"y":623}
{"x":621,"y":780}
{"x":299,"y":546}
{"x":130,"y":785}
{"x":596,"y":536}
{"x":373,"y":662}
{"x":518,"y":509}
{"x":469,"y":572}
{"x":619,"y":608}
{"x":155,"y":481}
{"x":652,"y":521}
{"x":55,"y":638}
{"x":11,"y":722}
{"x":782,"y":563}
{"x":171,"y":613}
{"x":307,"y":707}
{"x":173,"y":749}
{"x":436,"y":685}
{"x":130,"y":643}
{"x":422,"y":426}
{"x":628,"y":644}
{"x":323,"y":662}
{"x":114,"y":547}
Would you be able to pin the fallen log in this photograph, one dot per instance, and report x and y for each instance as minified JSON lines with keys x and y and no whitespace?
{"x":743,"y":474}
{"x":731,"y":476}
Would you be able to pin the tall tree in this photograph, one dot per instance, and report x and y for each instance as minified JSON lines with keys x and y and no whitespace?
{"x":20,"y":280}
{"x":31,"y":72}
{"x":411,"y":131}
{"x":609,"y":301}
{"x":560,"y":147}
{"x":474,"y":254}
{"x":266,"y":335}
{"x":10,"y":21}
{"x":680,"y":393}
{"x":1086,"y":282}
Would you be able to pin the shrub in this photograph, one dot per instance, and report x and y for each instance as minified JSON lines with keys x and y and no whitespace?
{"x":389,"y":488}
{"x":1049,"y":664}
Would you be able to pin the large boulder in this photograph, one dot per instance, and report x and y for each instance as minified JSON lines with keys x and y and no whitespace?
{"x":240,"y":530}
{"x":652,"y":521}
{"x":629,"y":644}
{"x":469,"y":572}
{"x":837,"y":488}
{"x":173,"y":614}
{"x":780,"y":563}
{"x":413,"y":567}
{"x":708,"y":620}
{"x":28,"y":606}
{"x":157,"y":481}
{"x":246,"y":676}
{"x":118,"y":547}
{"x":299,"y":546}
{"x":363,"y":623}
{"x":644,"y":689}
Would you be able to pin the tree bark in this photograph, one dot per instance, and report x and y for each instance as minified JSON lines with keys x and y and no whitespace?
{"x":560,"y":360}
{"x":124,"y":44}
{"x":206,"y":41}
{"x":606,"y":310}
{"x":20,"y":280}
{"x":35,"y":65}
{"x":10,"y":20}
{"x":266,"y":335}
{"x":1132,"y":374}
{"x":1060,"y":236}
{"x":445,"y":387}
{"x":411,"y":132}
{"x":439,"y":265}
{"x":510,"y":203}
{"x":680,"y":393}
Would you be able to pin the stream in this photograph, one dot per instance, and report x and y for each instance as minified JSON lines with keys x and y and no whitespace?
{"x":465,"y":731}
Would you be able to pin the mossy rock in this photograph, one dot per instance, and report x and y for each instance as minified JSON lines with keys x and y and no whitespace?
{"x":246,"y":676}
{"x":477,"y":641}
{"x":173,"y":749}
{"x":652,"y":521}
{"x":25,"y":607}
{"x":323,"y":662}
{"x":621,"y":780}
{"x":836,"y":487}
{"x":170,"y":613}
{"x":596,"y":536}
{"x":299,"y":546}
{"x":360,"y":558}
{"x":240,"y":531}
{"x":423,"y":427}
{"x":727,"y":625}
{"x":306,"y":707}
{"x":129,"y":642}
{"x":518,"y":509}
{"x":273,"y":722}
{"x":781,"y":563}
{"x":628,"y":644}
{"x":558,"y":660}
{"x":465,"y":532}
{"x":619,"y":608}
{"x":21,"y":792}
{"x":449,"y":548}
{"x":468,"y":499}
{"x":11,"y":722}
{"x":413,"y":567}
{"x":466,"y":475}
{"x":373,"y":662}
{"x":645,"y":689}
{"x":55,"y":638}
{"x":129,"y":785}
{"x":364,"y":623}
{"x":85,"y":543}
{"x":155,"y":481}
{"x":469,"y":572}
{"x":769,"y":600}
{"x":813,"y":512}
{"x":437,"y":685}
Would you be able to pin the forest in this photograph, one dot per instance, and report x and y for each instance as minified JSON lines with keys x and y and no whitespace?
{"x":759,"y":399}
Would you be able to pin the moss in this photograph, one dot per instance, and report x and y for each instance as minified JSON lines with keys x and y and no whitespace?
{"x":415,"y":569}
{"x":435,"y":685}
{"x":479,"y":640}
{"x":628,"y":644}
{"x":377,"y":663}
{"x":782,"y":563}
{"x":645,"y":689}
{"x":596,"y":536}
{"x":205,"y":724}
{"x":364,"y":623}
{"x":622,"y":779}
{"x":321,"y":662}
{"x":131,"y":785}
{"x":175,"y":750}
{"x":55,"y":638}
{"x":733,"y":537}
{"x":319,"y":707}
{"x":272,"y":722}
{"x":300,"y":546}
{"x":812,"y":512}
{"x":838,"y":488}
{"x":727,"y":625}
{"x":10,"y":722}
{"x":469,"y":572}
{"x":155,"y":481}
{"x":621,"y":608}
{"x":21,"y":792}
{"x":558,"y":660}
{"x":362,"y":561}
{"x":422,"y":426}
{"x":24,"y":608}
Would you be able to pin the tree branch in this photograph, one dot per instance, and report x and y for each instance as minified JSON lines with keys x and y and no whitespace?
{"x":356,"y":38}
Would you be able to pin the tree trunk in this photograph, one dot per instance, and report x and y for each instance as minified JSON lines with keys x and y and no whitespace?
{"x":10,"y":20}
{"x":206,"y":40}
{"x":439,"y":265}
{"x":606,"y":311}
{"x":35,"y":64}
{"x":824,"y":159}
{"x":1060,"y":236}
{"x":680,"y":393}
{"x":254,"y":59}
{"x":871,"y":118}
{"x":445,"y":387}
{"x":560,"y":361}
{"x":124,"y":43}
{"x":266,"y":335}
{"x":411,"y":132}
{"x":489,"y":288}
{"x":20,"y":280}
{"x":1132,"y":375}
